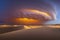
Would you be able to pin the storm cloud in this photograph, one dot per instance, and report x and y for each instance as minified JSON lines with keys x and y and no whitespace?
{"x":10,"y":9}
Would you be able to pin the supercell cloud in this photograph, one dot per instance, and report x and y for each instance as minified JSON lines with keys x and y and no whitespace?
{"x":32,"y":16}
{"x":26,"y":12}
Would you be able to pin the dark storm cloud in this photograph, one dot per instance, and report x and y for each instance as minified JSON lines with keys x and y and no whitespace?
{"x":8,"y":8}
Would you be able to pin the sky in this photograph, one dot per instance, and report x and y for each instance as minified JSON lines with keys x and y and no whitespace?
{"x":8,"y":8}
{"x":55,"y":3}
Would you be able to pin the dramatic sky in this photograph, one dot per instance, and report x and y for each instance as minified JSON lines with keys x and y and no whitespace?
{"x":56,"y":3}
{"x":8,"y":8}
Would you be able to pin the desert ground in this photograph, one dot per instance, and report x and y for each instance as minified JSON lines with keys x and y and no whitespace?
{"x":31,"y":32}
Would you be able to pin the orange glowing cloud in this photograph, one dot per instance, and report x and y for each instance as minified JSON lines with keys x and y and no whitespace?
{"x":27,"y":21}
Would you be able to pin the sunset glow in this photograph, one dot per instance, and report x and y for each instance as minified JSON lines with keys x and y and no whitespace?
{"x":27,"y":20}
{"x":31,"y":27}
